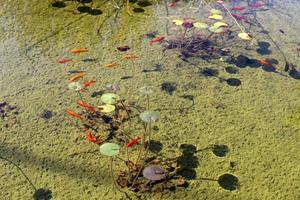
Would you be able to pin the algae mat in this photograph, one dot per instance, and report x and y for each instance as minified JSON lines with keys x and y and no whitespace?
{"x":258,"y":120}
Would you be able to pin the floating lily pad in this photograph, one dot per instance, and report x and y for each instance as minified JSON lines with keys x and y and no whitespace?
{"x":144,"y":3}
{"x":228,"y":182}
{"x":200,"y":25}
{"x":58,"y":4}
{"x":84,"y":9}
{"x":245,"y":36}
{"x":216,"y":30}
{"x":107,"y":108}
{"x":95,"y":12}
{"x":215,"y":16}
{"x":215,"y":12}
{"x":178,"y":22}
{"x":75,"y":86}
{"x":154,"y":173}
{"x":146,"y":90}
{"x":109,"y":149}
{"x":149,"y":116}
{"x":220,"y":24}
{"x":110,"y":98}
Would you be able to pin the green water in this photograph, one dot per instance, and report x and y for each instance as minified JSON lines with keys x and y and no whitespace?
{"x":258,"y":120}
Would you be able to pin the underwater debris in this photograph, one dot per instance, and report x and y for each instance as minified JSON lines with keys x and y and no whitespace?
{"x":123,"y":48}
{"x":8,"y":114}
{"x":196,"y":46}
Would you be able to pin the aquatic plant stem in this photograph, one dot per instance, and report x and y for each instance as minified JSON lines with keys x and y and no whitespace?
{"x":80,"y":96}
{"x":112,"y":175}
{"x":148,"y":102}
{"x":237,"y":23}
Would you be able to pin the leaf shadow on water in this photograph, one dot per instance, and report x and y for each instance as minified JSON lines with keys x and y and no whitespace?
{"x":56,"y":166}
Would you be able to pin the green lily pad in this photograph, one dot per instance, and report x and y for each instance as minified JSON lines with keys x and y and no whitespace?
{"x":107,"y":108}
{"x":75,"y":86}
{"x":215,"y":12}
{"x":109,"y":149}
{"x":200,"y":25}
{"x":216,"y":30}
{"x":149,"y":116}
{"x":146,"y":90}
{"x":110,"y":98}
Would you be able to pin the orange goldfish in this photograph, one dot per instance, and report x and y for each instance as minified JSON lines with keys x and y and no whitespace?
{"x":157,"y":39}
{"x":86,"y":106}
{"x":78,"y":50}
{"x":265,"y":62}
{"x":88,"y":83}
{"x":77,"y":77}
{"x":74,"y":114}
{"x":132,"y":142}
{"x":89,"y":136}
{"x":130,"y":57}
{"x":112,"y":65}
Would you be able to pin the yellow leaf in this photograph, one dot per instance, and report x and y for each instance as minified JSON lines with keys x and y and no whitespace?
{"x":107,"y":108}
{"x":245,"y":36}
{"x":215,"y":16}
{"x":200,"y":25}
{"x":216,"y":30}
{"x":178,"y":22}
{"x":215,"y":12}
{"x":220,"y":24}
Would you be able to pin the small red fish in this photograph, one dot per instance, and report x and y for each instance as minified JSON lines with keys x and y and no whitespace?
{"x":130,"y":57}
{"x":157,"y":39}
{"x":173,"y":4}
{"x":256,"y":5}
{"x":89,"y":136}
{"x":239,"y":17}
{"x":74,"y":114}
{"x":77,"y":76}
{"x":132,"y":142}
{"x":86,"y":105}
{"x":238,"y":8}
{"x":78,"y":50}
{"x":88,"y":83}
{"x":63,"y":60}
{"x":265,"y":62}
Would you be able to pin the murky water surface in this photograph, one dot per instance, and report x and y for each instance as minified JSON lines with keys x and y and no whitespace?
{"x":229,"y":108}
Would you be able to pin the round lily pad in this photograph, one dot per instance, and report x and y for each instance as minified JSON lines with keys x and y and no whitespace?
{"x":109,"y":149}
{"x":200,"y":25}
{"x":215,"y":12}
{"x":107,"y":108}
{"x":146,"y":90}
{"x":110,"y":98}
{"x":215,"y":16}
{"x":245,"y":36}
{"x":154,"y":173}
{"x":178,"y":22}
{"x":216,"y":30}
{"x":220,"y":24}
{"x":75,"y":86}
{"x":149,"y":116}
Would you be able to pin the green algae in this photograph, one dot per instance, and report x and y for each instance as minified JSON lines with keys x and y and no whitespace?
{"x":250,"y":119}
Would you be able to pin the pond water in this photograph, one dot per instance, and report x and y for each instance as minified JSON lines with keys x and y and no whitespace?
{"x":225,"y":110}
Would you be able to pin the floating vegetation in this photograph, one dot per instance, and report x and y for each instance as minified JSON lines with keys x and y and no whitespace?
{"x":228,"y":182}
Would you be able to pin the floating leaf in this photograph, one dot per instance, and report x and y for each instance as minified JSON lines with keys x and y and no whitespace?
{"x":220,"y":24}
{"x":245,"y":36}
{"x":107,"y":108}
{"x":75,"y":86}
{"x":149,"y":116}
{"x":215,"y":16}
{"x":215,"y":12}
{"x":146,"y":90}
{"x":200,"y":25}
{"x":110,"y":98}
{"x":216,"y":30}
{"x":109,"y":149}
{"x":178,"y":22}
{"x":154,"y":173}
